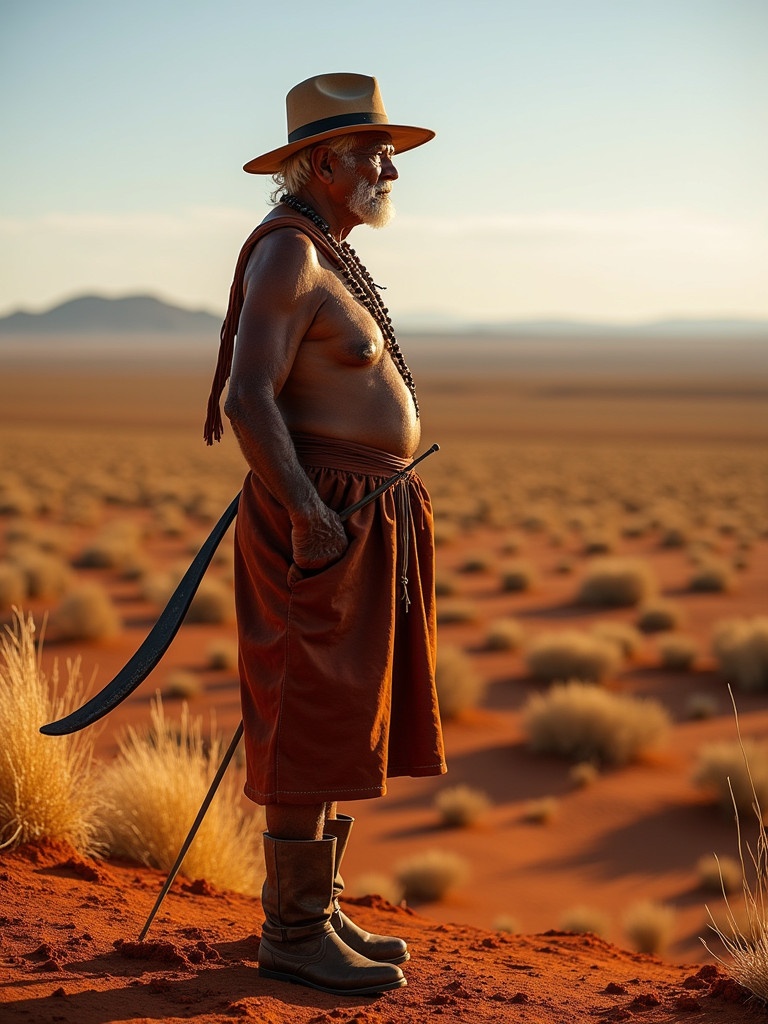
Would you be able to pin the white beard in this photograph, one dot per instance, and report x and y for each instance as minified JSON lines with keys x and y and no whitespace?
{"x":372,"y":204}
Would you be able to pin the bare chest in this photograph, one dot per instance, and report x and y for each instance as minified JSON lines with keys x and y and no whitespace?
{"x":344,"y":328}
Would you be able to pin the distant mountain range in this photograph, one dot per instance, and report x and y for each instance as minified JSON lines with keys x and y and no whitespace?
{"x":93,"y":314}
{"x":145,"y":314}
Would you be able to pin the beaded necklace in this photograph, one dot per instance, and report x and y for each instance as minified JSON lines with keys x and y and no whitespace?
{"x":360,"y":283}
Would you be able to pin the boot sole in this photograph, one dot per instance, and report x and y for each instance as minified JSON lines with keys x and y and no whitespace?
{"x":293,"y":979}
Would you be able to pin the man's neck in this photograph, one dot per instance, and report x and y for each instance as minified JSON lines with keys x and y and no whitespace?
{"x":339,"y":219}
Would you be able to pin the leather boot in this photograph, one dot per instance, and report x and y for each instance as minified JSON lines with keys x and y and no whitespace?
{"x":383,"y":948}
{"x":298,"y":942}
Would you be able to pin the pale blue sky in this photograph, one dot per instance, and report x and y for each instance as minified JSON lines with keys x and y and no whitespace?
{"x":602,"y":159}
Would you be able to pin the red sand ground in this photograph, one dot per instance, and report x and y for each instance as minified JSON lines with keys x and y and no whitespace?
{"x":69,"y":953}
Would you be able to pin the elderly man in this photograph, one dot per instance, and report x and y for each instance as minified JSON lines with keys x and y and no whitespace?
{"x":336,"y":620}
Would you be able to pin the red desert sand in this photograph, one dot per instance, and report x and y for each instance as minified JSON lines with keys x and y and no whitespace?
{"x":69,"y":953}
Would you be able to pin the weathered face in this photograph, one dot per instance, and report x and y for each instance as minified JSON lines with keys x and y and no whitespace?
{"x":371,"y":172}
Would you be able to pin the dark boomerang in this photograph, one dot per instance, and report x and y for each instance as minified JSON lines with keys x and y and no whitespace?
{"x":158,"y":640}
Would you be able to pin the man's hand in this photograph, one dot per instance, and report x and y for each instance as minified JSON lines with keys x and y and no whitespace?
{"x":318,"y":538}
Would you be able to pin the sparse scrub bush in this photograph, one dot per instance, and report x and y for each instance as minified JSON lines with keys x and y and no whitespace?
{"x":85,"y":613}
{"x":46,"y":785}
{"x":456,"y":612}
{"x":722,"y":771}
{"x":555,"y":657}
{"x":701,"y":705}
{"x":678,"y":652}
{"x":182,"y":684}
{"x":459,"y":687}
{"x":585,"y":723}
{"x":13,"y":585}
{"x":660,"y":615}
{"x":616,"y":583}
{"x":445,"y":532}
{"x":461,"y":806}
{"x":445,"y":585}
{"x":113,"y":548}
{"x":599,"y":542}
{"x":711,"y":577}
{"x":427,"y":877}
{"x":506,"y":923}
{"x":504,"y":635}
{"x":517,"y":577}
{"x":584,"y":774}
{"x":718,"y":874}
{"x":222,"y":655}
{"x":541,"y":811}
{"x":628,"y":639}
{"x":150,"y":795}
{"x":477,"y":562}
{"x":214,"y":603}
{"x":374,"y":884}
{"x":46,"y":575}
{"x":648,"y":926}
{"x":583,"y":920}
{"x":741,"y":649}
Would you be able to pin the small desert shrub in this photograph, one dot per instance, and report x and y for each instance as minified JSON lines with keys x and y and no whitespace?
{"x":46,"y":785}
{"x":85,"y":613}
{"x":445,"y":533}
{"x":504,"y":635}
{"x":222,"y":655}
{"x":580,"y":721}
{"x":741,"y":648}
{"x":506,"y":923}
{"x":116,"y":545}
{"x":675,"y":535}
{"x":13,"y":586}
{"x":659,"y":615}
{"x":427,"y":877}
{"x":648,"y":926}
{"x":374,"y":884}
{"x":46,"y":575}
{"x":678,"y":652}
{"x":214,"y":603}
{"x":583,"y":920}
{"x":711,"y":577}
{"x":459,"y":687}
{"x":456,"y":612}
{"x":722,"y":772}
{"x":718,"y":874}
{"x":599,"y":542}
{"x":584,"y":774}
{"x":572,"y":655}
{"x":517,"y":577}
{"x":616,"y":583}
{"x":701,"y":705}
{"x":628,"y":639}
{"x":477,"y":562}
{"x":445,"y":585}
{"x":460,"y":806}
{"x":564,"y":567}
{"x":182,"y":685}
{"x":541,"y":811}
{"x":151,"y":794}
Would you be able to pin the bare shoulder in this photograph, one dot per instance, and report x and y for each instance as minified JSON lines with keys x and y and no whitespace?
{"x":286,"y":253}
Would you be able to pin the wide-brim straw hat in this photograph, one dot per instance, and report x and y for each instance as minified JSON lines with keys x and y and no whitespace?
{"x":325,"y":106}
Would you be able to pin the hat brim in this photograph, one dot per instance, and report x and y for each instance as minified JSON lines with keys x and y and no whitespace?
{"x":404,"y":137}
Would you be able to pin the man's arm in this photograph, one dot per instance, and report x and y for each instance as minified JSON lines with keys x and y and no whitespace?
{"x":282,"y":297}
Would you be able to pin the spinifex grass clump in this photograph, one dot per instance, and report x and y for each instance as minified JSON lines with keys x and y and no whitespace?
{"x":745,"y":935}
{"x":46,"y":786}
{"x":585,"y":723}
{"x":571,"y":654}
{"x":152,"y":792}
{"x":741,"y":648}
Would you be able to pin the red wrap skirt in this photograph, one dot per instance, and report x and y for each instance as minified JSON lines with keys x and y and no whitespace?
{"x":337,"y":667}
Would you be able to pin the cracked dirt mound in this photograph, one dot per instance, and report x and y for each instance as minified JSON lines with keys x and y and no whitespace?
{"x":69,"y":953}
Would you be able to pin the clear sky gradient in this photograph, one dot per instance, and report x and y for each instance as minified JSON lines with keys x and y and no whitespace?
{"x":594,"y":159}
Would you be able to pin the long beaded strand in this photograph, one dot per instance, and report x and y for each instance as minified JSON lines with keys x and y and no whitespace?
{"x":362,"y":286}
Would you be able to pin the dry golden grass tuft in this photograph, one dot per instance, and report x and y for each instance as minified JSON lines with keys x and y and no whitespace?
{"x":459,"y":687}
{"x":718,"y":874}
{"x":628,"y":639}
{"x":426,"y":877}
{"x":678,"y":652}
{"x":649,"y":926}
{"x":660,"y":615}
{"x":182,"y":684}
{"x":583,"y":920}
{"x":712,"y":577}
{"x":375,"y":884}
{"x":85,"y":613}
{"x":584,"y":774}
{"x":570,"y":654}
{"x":46,"y":784}
{"x":151,"y":793}
{"x":616,"y":583}
{"x":456,"y":611}
{"x":741,"y":648}
{"x":222,"y":655}
{"x":504,"y":635}
{"x":541,"y":811}
{"x":13,"y":586}
{"x":461,"y":806}
{"x":734,"y":773}
{"x":582,"y":722}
